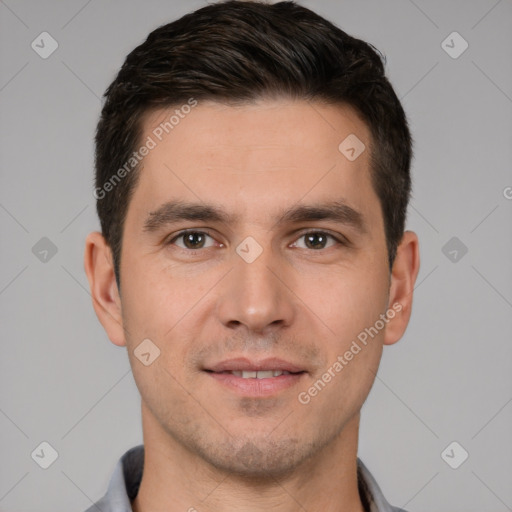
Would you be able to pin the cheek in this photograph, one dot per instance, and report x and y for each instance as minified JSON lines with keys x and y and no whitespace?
{"x":161,"y":391}
{"x":168,"y":309}
{"x":346,"y":301}
{"x":155,"y":298}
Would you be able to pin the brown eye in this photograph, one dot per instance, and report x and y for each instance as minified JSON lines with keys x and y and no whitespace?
{"x":191,"y":240}
{"x":317,"y":240}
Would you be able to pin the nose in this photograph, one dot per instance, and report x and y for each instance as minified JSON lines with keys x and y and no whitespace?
{"x":257,"y":296}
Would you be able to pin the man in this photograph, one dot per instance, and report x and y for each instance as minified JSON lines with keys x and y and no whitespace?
{"x":252,"y":181}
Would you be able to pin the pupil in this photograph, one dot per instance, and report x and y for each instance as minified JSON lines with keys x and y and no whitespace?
{"x":191,"y":238}
{"x":311,"y":237}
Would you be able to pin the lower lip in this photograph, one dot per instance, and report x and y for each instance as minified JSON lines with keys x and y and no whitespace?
{"x":257,"y":387}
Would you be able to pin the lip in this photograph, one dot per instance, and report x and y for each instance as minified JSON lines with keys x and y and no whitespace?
{"x":253,"y":387}
{"x":256,"y":387}
{"x":244,"y":364}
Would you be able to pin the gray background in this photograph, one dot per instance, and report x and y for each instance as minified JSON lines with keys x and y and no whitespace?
{"x":450,"y":377}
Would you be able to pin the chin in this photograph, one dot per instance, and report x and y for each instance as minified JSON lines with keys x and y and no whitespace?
{"x":257,"y":459}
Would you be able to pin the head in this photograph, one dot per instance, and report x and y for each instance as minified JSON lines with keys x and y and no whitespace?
{"x":242,"y":108}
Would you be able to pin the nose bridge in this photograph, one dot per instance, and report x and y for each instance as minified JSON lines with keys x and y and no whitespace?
{"x":253,"y":294}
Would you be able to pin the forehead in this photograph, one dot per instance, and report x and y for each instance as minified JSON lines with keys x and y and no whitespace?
{"x":284,"y":130}
{"x":256,"y":156}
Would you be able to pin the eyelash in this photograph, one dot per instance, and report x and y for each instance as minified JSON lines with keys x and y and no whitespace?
{"x":340,"y":240}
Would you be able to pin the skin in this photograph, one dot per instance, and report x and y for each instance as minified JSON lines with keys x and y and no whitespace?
{"x":206,"y":446}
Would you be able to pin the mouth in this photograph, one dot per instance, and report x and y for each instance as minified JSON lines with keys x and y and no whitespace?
{"x":256,"y":378}
{"x":257,"y":374}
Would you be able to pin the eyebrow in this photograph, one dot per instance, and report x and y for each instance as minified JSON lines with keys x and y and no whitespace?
{"x":175,"y":211}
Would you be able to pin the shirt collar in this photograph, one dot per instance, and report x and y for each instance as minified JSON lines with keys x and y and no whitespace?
{"x":126,"y":478}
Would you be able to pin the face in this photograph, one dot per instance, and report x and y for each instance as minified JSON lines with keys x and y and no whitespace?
{"x":254,"y":257}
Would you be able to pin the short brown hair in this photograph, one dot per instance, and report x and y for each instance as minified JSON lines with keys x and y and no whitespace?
{"x":239,"y":52}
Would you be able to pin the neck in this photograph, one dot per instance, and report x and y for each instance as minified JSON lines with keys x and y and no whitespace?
{"x":176,"y":480}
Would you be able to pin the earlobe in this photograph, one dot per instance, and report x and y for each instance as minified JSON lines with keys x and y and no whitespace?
{"x":403,"y":277}
{"x":98,"y":264}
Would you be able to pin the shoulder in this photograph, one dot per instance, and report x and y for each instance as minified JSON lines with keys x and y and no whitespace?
{"x":371,"y":494}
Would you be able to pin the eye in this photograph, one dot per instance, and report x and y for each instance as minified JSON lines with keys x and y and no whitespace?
{"x":317,"y":240}
{"x":191,"y":240}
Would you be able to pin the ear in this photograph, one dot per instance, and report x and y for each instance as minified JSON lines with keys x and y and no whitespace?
{"x":403,"y":276}
{"x":99,"y":267}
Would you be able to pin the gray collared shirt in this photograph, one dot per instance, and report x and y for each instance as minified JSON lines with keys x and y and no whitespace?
{"x":125,"y":481}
